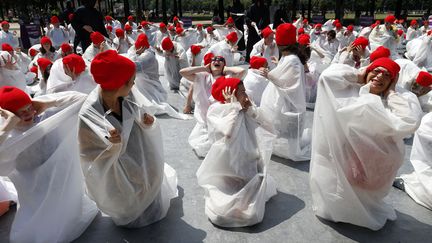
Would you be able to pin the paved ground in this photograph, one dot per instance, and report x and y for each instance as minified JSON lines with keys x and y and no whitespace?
{"x":288,"y":217}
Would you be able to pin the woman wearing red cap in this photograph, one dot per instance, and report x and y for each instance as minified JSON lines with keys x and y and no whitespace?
{"x":420,"y":51}
{"x":359,"y":127}
{"x":226,"y":48}
{"x":57,"y":33}
{"x":385,"y":35}
{"x":413,"y":31}
{"x":10,"y":72}
{"x":160,"y":34}
{"x":266,"y":47}
{"x":234,"y":172}
{"x":349,"y":35}
{"x":47,"y":50}
{"x":98,"y":44}
{"x":8,"y":37}
{"x":210,"y":38}
{"x":283,"y":100}
{"x":121,"y":147}
{"x":356,"y":54}
{"x":45,"y":169}
{"x":175,"y":59}
{"x":203,"y":78}
{"x":256,"y":80}
{"x":122,"y":42}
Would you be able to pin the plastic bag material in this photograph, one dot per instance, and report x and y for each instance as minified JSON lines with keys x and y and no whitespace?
{"x":380,"y":36}
{"x":284,"y":102}
{"x":43,"y":164}
{"x":222,"y":48}
{"x":357,"y":148}
{"x":11,"y":77}
{"x":91,"y":52}
{"x":7,"y":190}
{"x":419,"y":51}
{"x":234,"y":173}
{"x":266,"y":51}
{"x":128,"y":180}
{"x":255,"y":85}
{"x":173,"y":65}
{"x":418,"y":184}
{"x":198,"y":138}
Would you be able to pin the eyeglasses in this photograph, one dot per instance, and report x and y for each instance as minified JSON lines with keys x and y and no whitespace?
{"x":221,"y":59}
{"x":384,"y":73}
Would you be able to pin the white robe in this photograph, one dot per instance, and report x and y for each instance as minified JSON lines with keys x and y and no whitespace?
{"x":9,"y":38}
{"x":129,"y":180}
{"x":380,"y":36}
{"x":11,"y":77}
{"x":418,"y":184}
{"x":234,"y":172}
{"x":173,"y":65}
{"x":255,"y":85}
{"x":122,"y":45}
{"x":58,"y":36}
{"x":412,"y":33}
{"x":284,"y":102}
{"x":46,"y":173}
{"x":354,"y":163}
{"x":420,"y":51}
{"x":260,"y":49}
{"x":91,"y":52}
{"x":222,"y":48}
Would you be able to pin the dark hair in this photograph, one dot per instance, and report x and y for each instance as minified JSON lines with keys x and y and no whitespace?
{"x":332,"y":33}
{"x":89,"y":3}
{"x":46,"y":73}
{"x":302,"y":52}
{"x":42,"y":49}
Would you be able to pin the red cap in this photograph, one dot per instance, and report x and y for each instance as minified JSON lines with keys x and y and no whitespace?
{"x":338,"y":26}
{"x":13,"y":99}
{"x":71,"y":16}
{"x":54,"y":20}
{"x":130,"y":18}
{"x":199,"y":26}
{"x":162,"y":25}
{"x":33,"y":52}
{"x":97,"y":38}
{"x":300,"y":31}
{"x":171,"y":28}
{"x":209,"y":29}
{"x":400,"y":32}
{"x":266,"y":32}
{"x":167,"y":44}
{"x":220,"y":84}
{"x":304,"y":39}
{"x":175,"y":19}
{"x":286,"y":34}
{"x":111,"y":70}
{"x":142,"y":41}
{"x":7,"y":47}
{"x":144,"y":23}
{"x":350,"y":28}
{"x":65,"y":47}
{"x":108,"y":18}
{"x":230,"y":20}
{"x":4,"y":22}
{"x":109,"y":28}
{"x":195,"y":49}
{"x":128,"y":27}
{"x":179,"y":30}
{"x":318,"y":26}
{"x":45,"y":40}
{"x":232,"y":37}
{"x":390,"y":19}
{"x":34,"y":70}
{"x":413,"y":22}
{"x":208,"y":58}
{"x":43,"y":63}
{"x":387,"y":63}
{"x":424,"y":79}
{"x":119,"y":32}
{"x":305,"y":21}
{"x":361,"y":41}
{"x":381,"y":51}
{"x":257,"y":62}
{"x":75,"y":63}
{"x":429,"y":32}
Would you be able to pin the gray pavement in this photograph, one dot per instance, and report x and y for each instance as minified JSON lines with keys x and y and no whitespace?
{"x":288,"y":217}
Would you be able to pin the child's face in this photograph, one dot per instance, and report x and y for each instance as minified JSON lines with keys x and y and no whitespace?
{"x":26,"y":114}
{"x":242,"y":97}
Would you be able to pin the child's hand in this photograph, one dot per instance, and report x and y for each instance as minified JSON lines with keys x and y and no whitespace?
{"x":228,"y":95}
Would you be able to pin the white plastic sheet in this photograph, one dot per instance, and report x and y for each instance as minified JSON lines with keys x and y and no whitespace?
{"x":380,"y":36}
{"x":43,"y":164}
{"x":173,"y":65}
{"x":357,"y":148}
{"x":255,"y":85}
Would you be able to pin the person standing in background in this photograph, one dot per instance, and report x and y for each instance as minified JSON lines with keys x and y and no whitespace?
{"x":236,"y":11}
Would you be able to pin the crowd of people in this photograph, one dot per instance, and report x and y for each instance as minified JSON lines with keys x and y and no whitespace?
{"x":79,"y":130}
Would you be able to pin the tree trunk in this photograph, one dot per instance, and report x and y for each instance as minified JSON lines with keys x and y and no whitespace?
{"x":309,"y":10}
{"x":339,"y":9}
{"x":175,"y":11}
{"x":294,"y":9}
{"x":126,"y":8}
{"x":180,"y":8}
{"x":398,"y":9}
{"x":221,"y":11}
{"x":139,"y":11}
{"x":164,"y":12}
{"x":372,"y":8}
{"x":1,"y":10}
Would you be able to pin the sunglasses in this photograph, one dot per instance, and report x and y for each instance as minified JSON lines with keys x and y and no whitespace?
{"x":221,"y":59}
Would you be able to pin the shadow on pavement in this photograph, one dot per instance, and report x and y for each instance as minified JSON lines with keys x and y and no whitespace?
{"x":400,"y":230}
{"x":299,"y":165}
{"x":170,"y":229}
{"x":278,"y":209}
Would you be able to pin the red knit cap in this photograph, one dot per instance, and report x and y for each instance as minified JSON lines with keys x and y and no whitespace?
{"x":130,"y":18}
{"x":7,"y":47}
{"x":34,"y":70}
{"x":167,"y":44}
{"x":4,"y":22}
{"x":305,"y":21}
{"x":195,"y":49}
{"x":350,"y":28}
{"x":171,"y":28}
{"x":208,"y":58}
{"x":111,"y":70}
{"x":286,"y":34}
{"x":109,"y":28}
{"x":142,"y":41}
{"x":179,"y":30}
{"x":257,"y":62}
{"x":318,"y":26}
{"x":175,"y":19}
{"x":128,"y":27}
{"x":144,"y":23}
{"x":108,"y":18}
{"x":13,"y":99}
{"x":66,"y":48}
{"x":54,"y":20}
{"x":300,"y":31}
{"x":199,"y":26}
{"x":43,"y":63}
{"x":424,"y":79}
{"x":392,"y":67}
{"x":304,"y":39}
{"x":220,"y":84}
{"x":230,"y":20}
{"x":361,"y":41}
{"x":381,"y":51}
{"x":33,"y":52}
{"x":338,"y":26}
{"x":162,"y":25}
{"x":74,"y":62}
{"x":390,"y":19}
{"x":119,"y":33}
{"x":232,"y":37}
{"x":45,"y":40}
{"x":71,"y":16}
{"x":209,"y":29}
{"x":97,"y":38}
{"x":400,"y":32}
{"x":266,"y":32}
{"x":413,"y":22}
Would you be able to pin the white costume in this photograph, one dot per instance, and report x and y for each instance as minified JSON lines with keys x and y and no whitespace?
{"x":353,"y":164}
{"x":173,"y":65}
{"x":11,"y":77}
{"x":412,"y":33}
{"x":58,"y":36}
{"x":43,"y":164}
{"x":380,"y":36}
{"x":234,"y":172}
{"x":129,"y":180}
{"x":260,"y":49}
{"x":122,"y":45}
{"x":222,"y":48}
{"x":418,"y":184}
{"x":255,"y":85}
{"x":8,"y":37}
{"x":420,"y":51}
{"x":92,"y":51}
{"x":284,"y":102}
